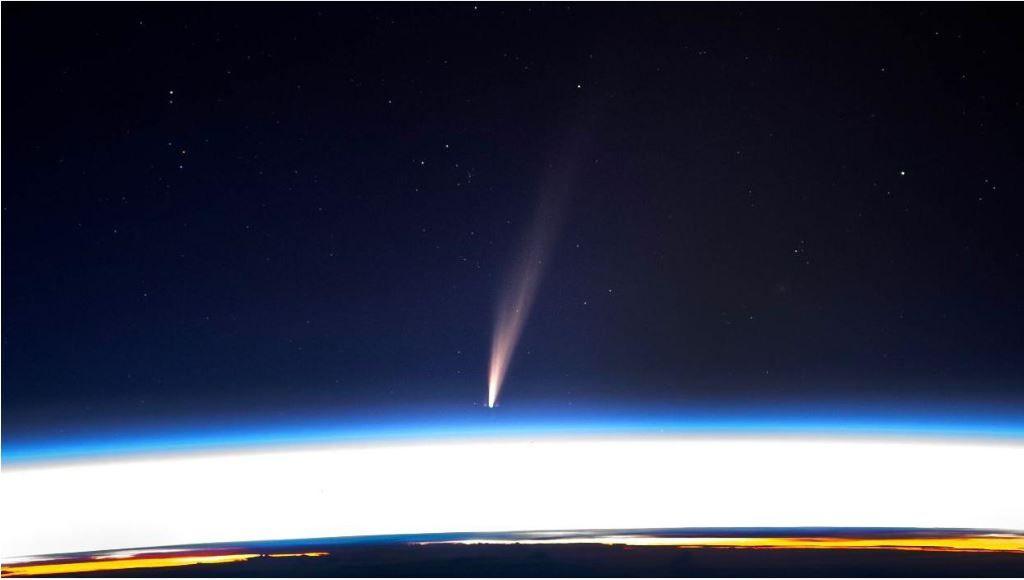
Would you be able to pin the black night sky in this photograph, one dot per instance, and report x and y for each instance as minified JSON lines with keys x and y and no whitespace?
{"x":246,"y":213}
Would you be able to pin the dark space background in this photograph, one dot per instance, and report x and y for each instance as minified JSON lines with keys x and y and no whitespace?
{"x":249,"y":212}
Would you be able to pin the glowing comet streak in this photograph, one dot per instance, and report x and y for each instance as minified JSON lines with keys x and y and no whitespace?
{"x":515,"y":303}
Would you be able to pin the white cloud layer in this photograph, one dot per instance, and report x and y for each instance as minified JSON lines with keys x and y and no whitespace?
{"x":509,"y":485}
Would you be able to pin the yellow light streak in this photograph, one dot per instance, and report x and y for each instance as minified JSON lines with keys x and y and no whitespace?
{"x":120,"y":564}
{"x":100,"y":564}
{"x":988,"y":543}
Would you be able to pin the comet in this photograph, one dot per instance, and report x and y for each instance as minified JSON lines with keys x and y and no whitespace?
{"x":520,"y":290}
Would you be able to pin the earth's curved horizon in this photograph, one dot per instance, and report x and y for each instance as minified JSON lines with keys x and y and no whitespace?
{"x":490,"y":484}
{"x":753,"y":552}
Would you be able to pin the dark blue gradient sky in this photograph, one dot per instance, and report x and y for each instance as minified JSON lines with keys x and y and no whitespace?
{"x":238,"y":217}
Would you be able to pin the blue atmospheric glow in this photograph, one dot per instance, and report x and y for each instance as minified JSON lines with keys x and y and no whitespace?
{"x":447,"y":423}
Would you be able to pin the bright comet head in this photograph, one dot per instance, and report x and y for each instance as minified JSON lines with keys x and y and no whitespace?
{"x":492,"y":391}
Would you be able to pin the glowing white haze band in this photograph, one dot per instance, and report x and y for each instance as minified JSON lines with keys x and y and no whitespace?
{"x":509,"y":485}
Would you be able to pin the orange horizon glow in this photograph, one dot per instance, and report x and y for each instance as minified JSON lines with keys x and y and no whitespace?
{"x":987,"y":543}
{"x":142,"y":560}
